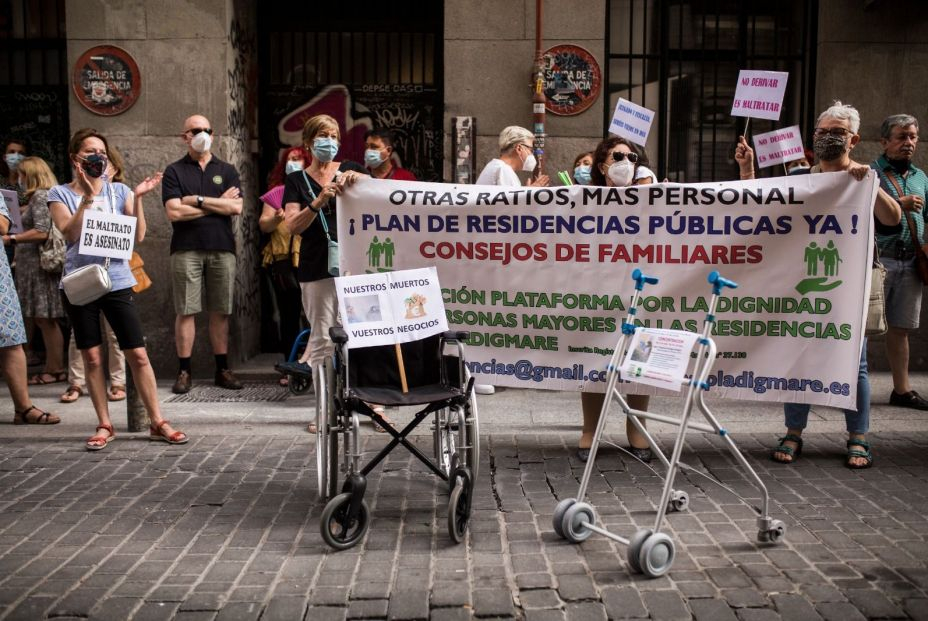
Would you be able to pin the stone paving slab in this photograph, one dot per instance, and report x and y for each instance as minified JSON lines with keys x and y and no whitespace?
{"x":227,"y":527}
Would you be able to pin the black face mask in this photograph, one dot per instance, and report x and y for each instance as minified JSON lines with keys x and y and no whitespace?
{"x":94,"y":165}
{"x":829,"y":148}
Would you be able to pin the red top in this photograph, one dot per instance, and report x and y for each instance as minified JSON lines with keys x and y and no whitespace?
{"x":398,"y":174}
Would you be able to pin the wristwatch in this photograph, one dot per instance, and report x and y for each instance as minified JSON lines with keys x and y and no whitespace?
{"x":200,"y":202}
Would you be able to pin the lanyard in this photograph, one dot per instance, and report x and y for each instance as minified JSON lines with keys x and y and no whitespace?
{"x":325,"y":224}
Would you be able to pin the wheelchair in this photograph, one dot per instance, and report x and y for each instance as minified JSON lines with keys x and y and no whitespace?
{"x":299,"y":375}
{"x":437,"y":379}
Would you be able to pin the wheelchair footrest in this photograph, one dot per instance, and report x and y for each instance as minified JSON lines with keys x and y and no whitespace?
{"x":300,"y":369}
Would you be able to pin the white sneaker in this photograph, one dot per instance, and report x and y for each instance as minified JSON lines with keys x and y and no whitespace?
{"x":484,"y":389}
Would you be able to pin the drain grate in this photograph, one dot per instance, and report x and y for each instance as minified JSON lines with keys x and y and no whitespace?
{"x":252,"y":391}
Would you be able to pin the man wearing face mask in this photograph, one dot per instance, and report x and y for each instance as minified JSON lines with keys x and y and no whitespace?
{"x":908,"y":186}
{"x":201,"y":193}
{"x":515,"y":153}
{"x":378,"y":156}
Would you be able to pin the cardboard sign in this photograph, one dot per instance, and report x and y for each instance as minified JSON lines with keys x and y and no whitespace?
{"x":779,"y":146}
{"x":391,"y":307}
{"x":631,"y":121}
{"x":659,"y":357}
{"x":105,"y":234}
{"x":12,"y":206}
{"x":759,"y":94}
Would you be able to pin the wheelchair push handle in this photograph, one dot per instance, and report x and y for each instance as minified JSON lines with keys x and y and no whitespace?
{"x":640,"y":279}
{"x":718,"y":283}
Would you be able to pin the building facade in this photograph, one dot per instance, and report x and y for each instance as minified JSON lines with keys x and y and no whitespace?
{"x":442,"y":75}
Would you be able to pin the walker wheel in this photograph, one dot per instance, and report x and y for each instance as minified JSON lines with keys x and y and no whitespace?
{"x":773,"y":534}
{"x":656,"y":556}
{"x":336,"y":529}
{"x":679,"y":501}
{"x":558,"y":517}
{"x":634,"y":548}
{"x":572,"y":524}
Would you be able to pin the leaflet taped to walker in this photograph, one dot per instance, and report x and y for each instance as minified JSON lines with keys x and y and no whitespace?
{"x":659,"y":357}
{"x":105,"y":234}
{"x":391,"y":307}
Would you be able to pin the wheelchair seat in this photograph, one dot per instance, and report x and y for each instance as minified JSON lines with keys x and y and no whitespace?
{"x":396,"y":397}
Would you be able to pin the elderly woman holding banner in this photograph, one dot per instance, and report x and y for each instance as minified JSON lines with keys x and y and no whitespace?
{"x":616,"y":163}
{"x":68,"y":204}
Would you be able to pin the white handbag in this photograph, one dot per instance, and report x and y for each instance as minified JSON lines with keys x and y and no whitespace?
{"x":87,"y":284}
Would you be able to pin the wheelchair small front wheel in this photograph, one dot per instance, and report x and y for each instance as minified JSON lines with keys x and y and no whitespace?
{"x":459,"y":511}
{"x":337,"y":529}
{"x":298,"y":384}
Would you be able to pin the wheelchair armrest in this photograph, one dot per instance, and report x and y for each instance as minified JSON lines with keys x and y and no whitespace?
{"x":456,"y":335}
{"x":338,"y":335}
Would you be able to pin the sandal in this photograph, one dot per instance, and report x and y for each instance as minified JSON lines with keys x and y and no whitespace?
{"x":377,"y":426}
{"x":311,"y":428}
{"x":641,"y":454}
{"x":42,"y":378}
{"x":792,"y":453}
{"x":97,"y":441}
{"x":117,"y":392}
{"x":72,"y":394}
{"x":855,"y":453}
{"x":44,"y":418}
{"x":283,"y":381}
{"x":156,"y":433}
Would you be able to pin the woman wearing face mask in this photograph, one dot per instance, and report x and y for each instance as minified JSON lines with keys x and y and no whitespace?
{"x":282,"y":247}
{"x":614,"y":165}
{"x":310,"y":207}
{"x":68,"y":203}
{"x":14,"y":152}
{"x":38,"y":289}
{"x":583,"y":165}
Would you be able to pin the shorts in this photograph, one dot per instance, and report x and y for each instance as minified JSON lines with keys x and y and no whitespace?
{"x":118,"y":308}
{"x":903,"y":293}
{"x":191,"y":270}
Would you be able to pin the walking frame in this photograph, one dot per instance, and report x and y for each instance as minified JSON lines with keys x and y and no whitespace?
{"x":650,"y":551}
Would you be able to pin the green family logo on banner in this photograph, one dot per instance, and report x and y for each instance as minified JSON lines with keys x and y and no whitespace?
{"x":540,"y":277}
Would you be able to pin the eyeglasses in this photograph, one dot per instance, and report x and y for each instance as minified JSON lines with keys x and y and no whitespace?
{"x":834,"y":131}
{"x":197,"y":130}
{"x":618,"y":156}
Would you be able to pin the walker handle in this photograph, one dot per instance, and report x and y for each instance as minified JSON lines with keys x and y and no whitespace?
{"x":717,"y":282}
{"x":640,"y":279}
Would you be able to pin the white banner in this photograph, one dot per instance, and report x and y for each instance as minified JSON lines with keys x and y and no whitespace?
{"x":541,"y":276}
{"x":105,"y":234}
{"x":631,"y":121}
{"x":779,"y":146}
{"x":759,"y":94}
{"x":386,"y":308}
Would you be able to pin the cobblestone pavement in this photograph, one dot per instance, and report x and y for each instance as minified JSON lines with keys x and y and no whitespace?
{"x":227,"y":528}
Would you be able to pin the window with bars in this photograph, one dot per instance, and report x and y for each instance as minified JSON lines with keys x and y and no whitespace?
{"x":681,"y":59}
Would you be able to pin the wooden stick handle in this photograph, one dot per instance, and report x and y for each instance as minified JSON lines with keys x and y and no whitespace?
{"x":399,"y":362}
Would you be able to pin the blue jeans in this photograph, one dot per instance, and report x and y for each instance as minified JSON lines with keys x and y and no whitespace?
{"x":797,"y":414}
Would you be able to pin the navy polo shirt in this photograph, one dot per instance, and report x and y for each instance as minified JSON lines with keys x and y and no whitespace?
{"x":185,"y":178}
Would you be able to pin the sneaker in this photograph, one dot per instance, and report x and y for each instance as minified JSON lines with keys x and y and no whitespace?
{"x":183,"y":383}
{"x":910,"y":399}
{"x":484,"y":389}
{"x":225,"y":379}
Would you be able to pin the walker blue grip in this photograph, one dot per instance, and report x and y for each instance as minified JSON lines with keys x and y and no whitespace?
{"x":640,"y":279}
{"x":717,"y":282}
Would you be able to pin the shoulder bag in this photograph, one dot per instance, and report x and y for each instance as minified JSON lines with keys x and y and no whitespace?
{"x":332,"y":245}
{"x":51,"y":252}
{"x":876,"y":311}
{"x":91,"y":282}
{"x":142,"y":280}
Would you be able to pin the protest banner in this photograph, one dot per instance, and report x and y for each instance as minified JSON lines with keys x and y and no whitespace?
{"x":11,"y":200}
{"x":105,"y":234}
{"x":386,"y":308}
{"x":779,"y":146}
{"x":759,"y":94}
{"x":541,"y":276}
{"x":631,"y":121}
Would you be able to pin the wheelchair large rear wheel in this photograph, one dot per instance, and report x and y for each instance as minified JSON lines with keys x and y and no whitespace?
{"x":322,"y":439}
{"x":472,"y":437}
{"x":336,"y":529}
{"x":444,"y":440}
{"x":332,"y":389}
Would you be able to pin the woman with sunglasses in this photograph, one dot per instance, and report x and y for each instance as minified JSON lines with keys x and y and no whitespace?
{"x":615,"y":163}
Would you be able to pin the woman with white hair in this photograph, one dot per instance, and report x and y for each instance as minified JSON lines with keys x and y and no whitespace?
{"x":515,"y":153}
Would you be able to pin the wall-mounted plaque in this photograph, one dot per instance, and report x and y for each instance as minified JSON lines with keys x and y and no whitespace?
{"x":573,"y":79}
{"x":106,"y":80}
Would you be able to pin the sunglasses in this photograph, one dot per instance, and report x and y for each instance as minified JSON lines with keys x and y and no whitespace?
{"x":197,"y":130}
{"x":618,"y":156}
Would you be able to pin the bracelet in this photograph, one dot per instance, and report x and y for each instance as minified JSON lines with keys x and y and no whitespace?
{"x":313,"y":209}
{"x":86,"y":201}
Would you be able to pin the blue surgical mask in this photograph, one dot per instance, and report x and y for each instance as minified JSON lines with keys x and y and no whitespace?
{"x":582,"y":175}
{"x":13,"y":159}
{"x":293,"y":166}
{"x":372,"y":158}
{"x":325,"y":149}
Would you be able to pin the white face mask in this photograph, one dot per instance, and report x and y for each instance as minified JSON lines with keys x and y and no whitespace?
{"x":529,"y":163}
{"x":621,"y":173}
{"x":201,"y":142}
